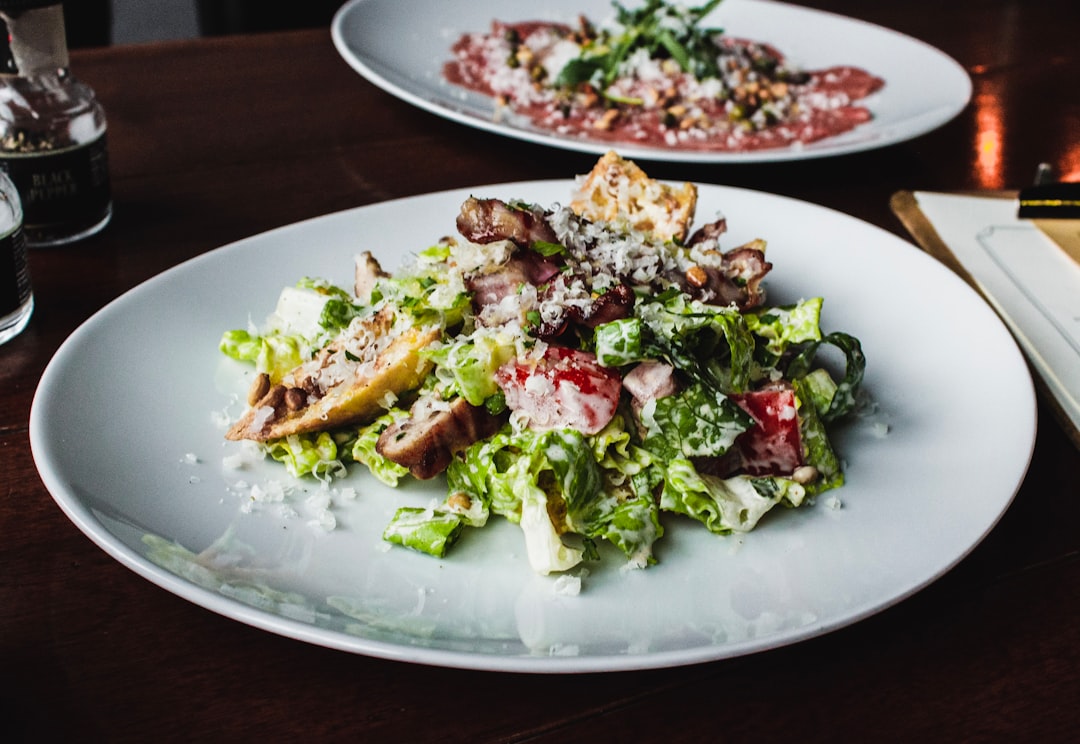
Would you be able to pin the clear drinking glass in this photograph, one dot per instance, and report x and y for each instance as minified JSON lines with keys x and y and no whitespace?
{"x":16,"y":297}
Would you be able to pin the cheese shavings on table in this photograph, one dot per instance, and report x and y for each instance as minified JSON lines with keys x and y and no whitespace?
{"x":1030,"y":280}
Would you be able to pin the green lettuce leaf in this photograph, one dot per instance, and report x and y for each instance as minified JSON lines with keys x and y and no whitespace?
{"x":470,"y":364}
{"x":819,"y":388}
{"x":543,"y":542}
{"x":620,"y":342}
{"x":274,"y":354}
{"x":710,"y":343}
{"x":488,"y":470}
{"x":424,"y":530}
{"x":844,"y":398}
{"x":698,"y":421}
{"x":428,"y":297}
{"x":782,"y":327}
{"x":309,"y":453}
{"x":817,"y":449}
{"x":363,"y":449}
{"x":724,"y":505}
{"x":632,"y":526}
{"x":561,"y":482}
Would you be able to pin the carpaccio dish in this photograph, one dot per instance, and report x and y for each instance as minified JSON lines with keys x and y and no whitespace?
{"x":589,"y":372}
{"x":653,"y":76}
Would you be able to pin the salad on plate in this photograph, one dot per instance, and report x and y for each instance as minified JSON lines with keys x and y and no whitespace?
{"x":657,"y":75}
{"x":589,"y":372}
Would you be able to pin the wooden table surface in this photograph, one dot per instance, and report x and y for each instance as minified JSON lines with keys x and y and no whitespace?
{"x":214,"y":140}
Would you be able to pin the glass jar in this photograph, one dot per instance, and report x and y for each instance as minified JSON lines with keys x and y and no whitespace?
{"x":16,"y":297}
{"x":52,"y":129}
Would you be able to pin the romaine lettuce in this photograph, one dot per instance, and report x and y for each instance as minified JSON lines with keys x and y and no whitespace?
{"x":470,"y":364}
{"x":426,"y":530}
{"x":784,"y":326}
{"x":844,"y":398}
{"x":274,"y":354}
{"x":817,"y":449}
{"x":710,"y":343}
{"x":695,"y":422}
{"x":363,"y":449}
{"x":724,"y":505}
{"x":302,"y":454}
{"x":543,"y":544}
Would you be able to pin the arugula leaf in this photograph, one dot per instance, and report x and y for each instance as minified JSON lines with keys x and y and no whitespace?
{"x":582,"y":70}
{"x":664,"y":30}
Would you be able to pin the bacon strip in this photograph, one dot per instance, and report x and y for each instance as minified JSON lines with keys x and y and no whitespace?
{"x":427,"y":445}
{"x":616,"y":303}
{"x":737,"y":281}
{"x":488,"y":220}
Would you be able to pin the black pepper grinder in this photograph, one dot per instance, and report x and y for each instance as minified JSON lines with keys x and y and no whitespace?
{"x":52,"y":129}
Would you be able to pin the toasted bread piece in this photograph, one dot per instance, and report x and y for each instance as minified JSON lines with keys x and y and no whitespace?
{"x":286,"y":410}
{"x":617,"y":188}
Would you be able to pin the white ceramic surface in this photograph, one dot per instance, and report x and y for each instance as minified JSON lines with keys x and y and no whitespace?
{"x":127,"y":433}
{"x":401,"y":46}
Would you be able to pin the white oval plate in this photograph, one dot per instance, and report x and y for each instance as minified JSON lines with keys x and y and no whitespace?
{"x":401,"y":46}
{"x":127,"y":434}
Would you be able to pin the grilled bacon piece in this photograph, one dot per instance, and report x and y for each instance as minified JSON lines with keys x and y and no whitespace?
{"x":614,"y":304}
{"x":736,"y":281}
{"x":648,"y":381}
{"x":743,"y":269}
{"x":524,"y":267}
{"x":366,"y":275}
{"x":711,"y":232}
{"x":426,"y":442}
{"x":488,"y":220}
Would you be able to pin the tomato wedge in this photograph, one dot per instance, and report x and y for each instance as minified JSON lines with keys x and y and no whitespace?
{"x":566,"y":389}
{"x":773,"y":446}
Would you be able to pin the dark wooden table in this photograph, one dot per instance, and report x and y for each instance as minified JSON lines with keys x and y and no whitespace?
{"x":215,"y":140}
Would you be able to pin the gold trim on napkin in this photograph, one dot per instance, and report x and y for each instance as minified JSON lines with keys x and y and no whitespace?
{"x":1065,"y":233}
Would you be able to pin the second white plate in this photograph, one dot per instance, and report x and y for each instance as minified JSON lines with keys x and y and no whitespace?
{"x":401,"y":45}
